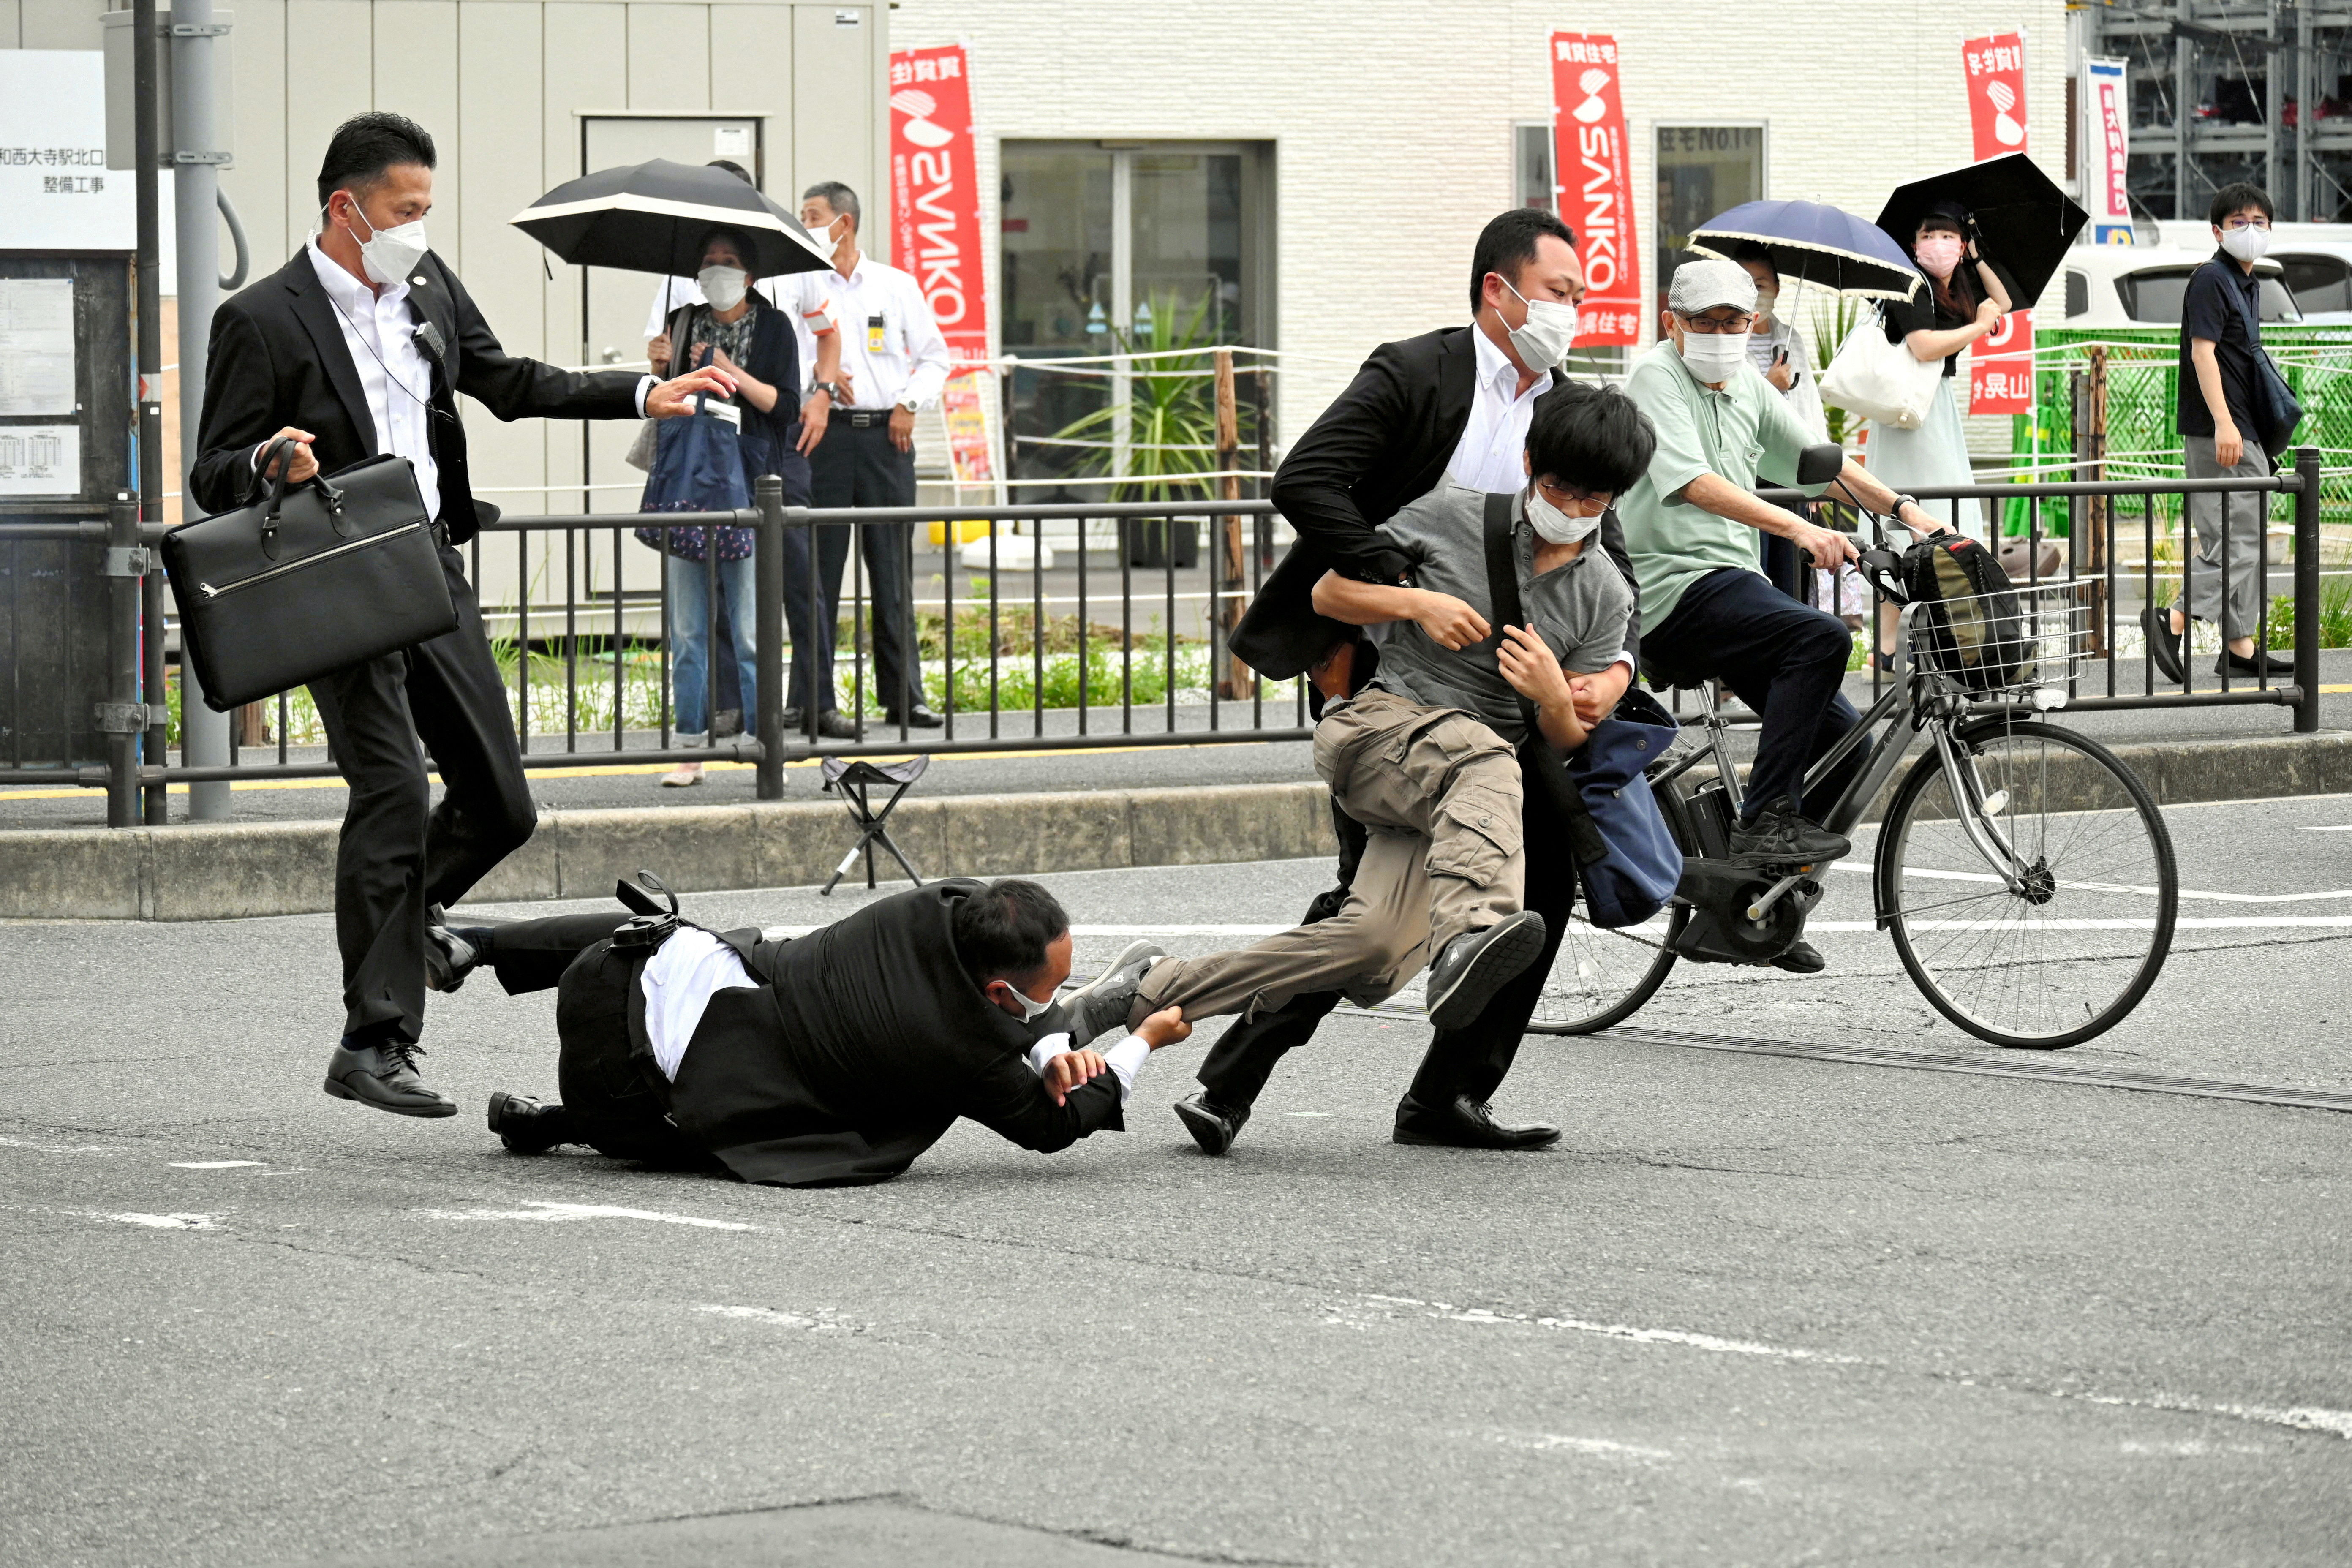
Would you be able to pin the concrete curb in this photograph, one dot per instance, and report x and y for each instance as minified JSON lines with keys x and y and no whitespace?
{"x":220,"y":871}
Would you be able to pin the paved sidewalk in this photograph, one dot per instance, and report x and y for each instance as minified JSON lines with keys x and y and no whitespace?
{"x":622,"y":784}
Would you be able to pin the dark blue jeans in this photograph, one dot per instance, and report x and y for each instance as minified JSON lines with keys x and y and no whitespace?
{"x":1784,"y":658}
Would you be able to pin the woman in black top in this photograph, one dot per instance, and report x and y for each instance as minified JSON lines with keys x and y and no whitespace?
{"x":1966,"y":297}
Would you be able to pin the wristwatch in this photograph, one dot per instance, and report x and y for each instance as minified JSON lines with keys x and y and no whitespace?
{"x":828,"y":388}
{"x":910,"y":405}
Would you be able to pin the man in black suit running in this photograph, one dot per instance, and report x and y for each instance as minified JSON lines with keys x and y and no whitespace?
{"x":1452,"y":405}
{"x":357,"y":348}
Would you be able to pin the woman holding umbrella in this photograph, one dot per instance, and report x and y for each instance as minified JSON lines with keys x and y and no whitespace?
{"x":711,"y":462}
{"x":1966,"y":297}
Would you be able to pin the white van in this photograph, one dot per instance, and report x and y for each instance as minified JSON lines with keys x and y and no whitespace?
{"x":2142,"y":285}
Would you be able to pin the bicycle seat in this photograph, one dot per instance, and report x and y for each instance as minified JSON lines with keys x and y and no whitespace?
{"x":1661,"y":677}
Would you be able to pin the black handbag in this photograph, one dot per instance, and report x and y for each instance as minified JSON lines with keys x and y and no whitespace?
{"x":2277,"y":409}
{"x":321,"y":575}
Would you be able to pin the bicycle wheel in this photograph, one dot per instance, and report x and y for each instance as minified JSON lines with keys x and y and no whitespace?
{"x":2068,"y":953}
{"x":1602,"y":978}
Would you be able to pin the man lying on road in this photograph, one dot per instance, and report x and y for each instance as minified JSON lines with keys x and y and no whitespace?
{"x":834,"y":1060}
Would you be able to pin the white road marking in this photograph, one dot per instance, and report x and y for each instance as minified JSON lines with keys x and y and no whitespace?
{"x":2187,"y":895}
{"x":1307,"y":1113}
{"x":2299,"y":1418}
{"x":537,"y":1209}
{"x":1599,"y":1447}
{"x":2330,"y":827}
{"x":212,"y":1164}
{"x":1658,"y":928}
{"x":166,"y":1221}
{"x":51,"y":1148}
{"x":823,"y":1324}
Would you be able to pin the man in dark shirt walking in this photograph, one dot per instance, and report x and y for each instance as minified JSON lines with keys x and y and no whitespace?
{"x":2221,"y":432}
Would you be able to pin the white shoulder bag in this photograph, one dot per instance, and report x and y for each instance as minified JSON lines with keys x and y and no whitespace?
{"x":1879,"y":379}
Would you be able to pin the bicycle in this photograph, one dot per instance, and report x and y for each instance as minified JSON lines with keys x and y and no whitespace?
{"x":2016,"y":863}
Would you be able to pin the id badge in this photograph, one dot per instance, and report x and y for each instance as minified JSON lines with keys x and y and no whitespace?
{"x":874,"y":334}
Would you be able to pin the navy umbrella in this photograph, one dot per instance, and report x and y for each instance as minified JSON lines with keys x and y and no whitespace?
{"x":652,"y":218}
{"x":1818,"y":243}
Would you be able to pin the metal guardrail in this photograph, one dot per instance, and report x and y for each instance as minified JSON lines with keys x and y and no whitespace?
{"x":1007,"y":670}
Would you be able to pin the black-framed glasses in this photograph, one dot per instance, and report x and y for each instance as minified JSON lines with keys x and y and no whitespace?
{"x":1561,"y":495}
{"x":2239,"y":222}
{"x":1707,"y":326}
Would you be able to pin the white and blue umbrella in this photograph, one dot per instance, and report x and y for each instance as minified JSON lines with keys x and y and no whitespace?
{"x":1824,"y":246}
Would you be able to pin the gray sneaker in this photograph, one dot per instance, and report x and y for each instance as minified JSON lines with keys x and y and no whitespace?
{"x":1101,"y":1005}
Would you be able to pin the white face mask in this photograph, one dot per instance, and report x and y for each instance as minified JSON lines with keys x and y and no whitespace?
{"x":822,"y":234}
{"x":2246,"y":243}
{"x":390,"y":254}
{"x":1554,"y":526}
{"x":1713,"y":356}
{"x":1765,"y":300}
{"x":1548,"y":335}
{"x":723,"y":286}
{"x":1029,"y":1006}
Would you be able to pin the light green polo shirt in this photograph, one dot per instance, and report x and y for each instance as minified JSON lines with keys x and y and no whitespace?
{"x":1743,"y":434}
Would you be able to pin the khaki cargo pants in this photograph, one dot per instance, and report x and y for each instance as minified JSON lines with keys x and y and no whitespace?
{"x":1440,"y":793}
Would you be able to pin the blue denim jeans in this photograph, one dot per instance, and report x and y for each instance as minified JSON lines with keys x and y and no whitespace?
{"x":689,"y":585}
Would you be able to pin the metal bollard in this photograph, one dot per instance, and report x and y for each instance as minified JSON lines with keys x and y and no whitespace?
{"x":2307,"y":591}
{"x":768,"y":573}
{"x":121,"y":716}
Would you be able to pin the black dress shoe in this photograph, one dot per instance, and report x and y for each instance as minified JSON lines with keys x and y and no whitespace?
{"x":526,"y":1127}
{"x":1477,"y":963}
{"x":448,"y":956}
{"x":919,"y":717}
{"x":793,"y":718}
{"x":2164,"y":644}
{"x":835,"y":725}
{"x":1802,"y":958}
{"x":384,"y":1076}
{"x":1465,"y":1124}
{"x":2230,"y":664}
{"x":1778,"y":835}
{"x":1212,"y":1123}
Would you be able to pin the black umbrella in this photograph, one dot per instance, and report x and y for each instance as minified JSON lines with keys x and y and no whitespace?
{"x":652,"y":218}
{"x":2023,"y":220}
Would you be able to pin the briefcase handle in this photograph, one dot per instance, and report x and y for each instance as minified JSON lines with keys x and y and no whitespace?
{"x":283,"y":445}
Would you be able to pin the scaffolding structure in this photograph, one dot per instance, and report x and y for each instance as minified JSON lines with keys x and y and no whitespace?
{"x":2233,"y":90}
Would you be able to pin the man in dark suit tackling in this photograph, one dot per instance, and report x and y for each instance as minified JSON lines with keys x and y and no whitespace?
{"x":1448,"y":406}
{"x":354,"y":349}
{"x":833,"y":1061}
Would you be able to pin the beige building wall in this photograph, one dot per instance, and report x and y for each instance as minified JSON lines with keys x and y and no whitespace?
{"x":1391,"y":119}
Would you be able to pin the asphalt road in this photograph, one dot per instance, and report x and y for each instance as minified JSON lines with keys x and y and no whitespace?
{"x":1752,"y":1309}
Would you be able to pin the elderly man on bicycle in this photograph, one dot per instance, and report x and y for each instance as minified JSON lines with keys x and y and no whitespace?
{"x":1690,"y":526}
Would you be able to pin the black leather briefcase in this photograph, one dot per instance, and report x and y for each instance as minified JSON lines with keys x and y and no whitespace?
{"x":321,"y":575}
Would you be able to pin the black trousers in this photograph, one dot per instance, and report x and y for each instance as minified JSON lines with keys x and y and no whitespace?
{"x":859,"y":467}
{"x":611,"y":1101}
{"x":400,"y":853}
{"x":1472,"y":1060}
{"x":1784,"y":658}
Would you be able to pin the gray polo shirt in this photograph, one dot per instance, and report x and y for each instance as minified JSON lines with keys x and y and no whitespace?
{"x":1580,"y":609}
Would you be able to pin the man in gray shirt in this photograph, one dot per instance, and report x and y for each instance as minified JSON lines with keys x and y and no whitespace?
{"x":1424,"y":754}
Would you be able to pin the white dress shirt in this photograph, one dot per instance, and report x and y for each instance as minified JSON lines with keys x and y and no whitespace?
{"x":891,"y":348}
{"x":397,"y":381}
{"x":1124,"y":1059}
{"x":678,"y":981}
{"x":1491,"y":453}
{"x":380,"y":331}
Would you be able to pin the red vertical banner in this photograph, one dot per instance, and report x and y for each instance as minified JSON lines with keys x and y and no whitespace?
{"x":2000,"y":367}
{"x":1996,"y":77}
{"x":1596,"y":184}
{"x":935,"y":218}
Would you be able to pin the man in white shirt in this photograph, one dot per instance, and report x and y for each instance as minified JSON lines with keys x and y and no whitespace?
{"x":358,"y":348}
{"x":893,"y":362}
{"x":833,"y":1060}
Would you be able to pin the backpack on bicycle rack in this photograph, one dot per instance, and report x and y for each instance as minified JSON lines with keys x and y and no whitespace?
{"x":1969,"y":627}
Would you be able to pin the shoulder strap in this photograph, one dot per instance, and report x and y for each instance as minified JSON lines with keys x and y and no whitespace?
{"x":1503,"y":597}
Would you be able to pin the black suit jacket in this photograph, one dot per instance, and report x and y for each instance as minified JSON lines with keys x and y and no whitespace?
{"x":862,"y":1046}
{"x":278,"y":358}
{"x":1383,"y":443}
